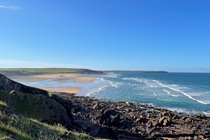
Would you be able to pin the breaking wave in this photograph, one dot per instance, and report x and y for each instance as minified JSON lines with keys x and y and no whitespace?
{"x":103,"y":84}
{"x":165,"y":87}
{"x":169,"y":93}
{"x":179,"y":91}
{"x":112,"y":75}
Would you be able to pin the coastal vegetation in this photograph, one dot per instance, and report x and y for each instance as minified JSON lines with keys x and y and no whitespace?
{"x":23,"y":120}
{"x":31,"y":71}
{"x":22,"y":128}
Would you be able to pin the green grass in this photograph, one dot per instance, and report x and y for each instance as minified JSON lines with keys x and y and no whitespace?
{"x":17,"y":134}
{"x":43,"y":70}
{"x":3,"y":103}
{"x":21,"y":128}
{"x":38,"y":106}
{"x":4,"y":135}
{"x":62,"y":131}
{"x":32,"y":109}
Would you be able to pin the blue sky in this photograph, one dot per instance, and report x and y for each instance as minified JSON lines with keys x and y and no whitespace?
{"x":172,"y":35}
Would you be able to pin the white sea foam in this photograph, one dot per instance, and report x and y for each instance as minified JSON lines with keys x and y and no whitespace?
{"x":179,"y":91}
{"x":147,"y":82}
{"x":169,"y":93}
{"x":158,"y":84}
{"x":206,"y":113}
{"x":96,"y":90}
{"x":133,"y":79}
{"x":150,"y":84}
{"x":183,"y":110}
{"x":112,"y":75}
{"x":101,"y":85}
{"x":155,"y":94}
{"x":115,"y":84}
{"x":179,"y":110}
{"x":133,"y":85}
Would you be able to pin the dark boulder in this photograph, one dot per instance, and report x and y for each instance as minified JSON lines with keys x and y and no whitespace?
{"x":113,"y":118}
{"x":65,"y":103}
{"x":164,"y":121}
{"x":104,"y":132}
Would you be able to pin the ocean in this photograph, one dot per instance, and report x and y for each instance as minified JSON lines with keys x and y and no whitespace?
{"x":182,"y":92}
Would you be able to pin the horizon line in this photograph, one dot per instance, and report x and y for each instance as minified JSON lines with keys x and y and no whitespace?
{"x":106,"y":70}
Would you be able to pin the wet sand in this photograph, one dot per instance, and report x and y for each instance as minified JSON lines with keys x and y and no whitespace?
{"x":77,"y":78}
{"x":74,"y":90}
{"x":72,"y":77}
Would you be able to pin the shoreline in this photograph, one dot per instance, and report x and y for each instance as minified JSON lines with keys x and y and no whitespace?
{"x":61,"y":78}
{"x":105,"y":119}
{"x":75,"y":88}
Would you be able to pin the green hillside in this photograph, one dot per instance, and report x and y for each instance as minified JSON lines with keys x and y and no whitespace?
{"x":25,"y":71}
{"x":22,"y":117}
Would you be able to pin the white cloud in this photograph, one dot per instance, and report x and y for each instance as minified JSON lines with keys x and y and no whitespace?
{"x":32,"y":64}
{"x":10,"y":7}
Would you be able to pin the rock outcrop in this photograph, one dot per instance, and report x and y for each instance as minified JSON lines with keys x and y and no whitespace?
{"x":33,"y":102}
{"x":133,"y":121}
{"x":9,"y":85}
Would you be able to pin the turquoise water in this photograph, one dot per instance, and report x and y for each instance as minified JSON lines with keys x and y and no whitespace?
{"x":185,"y":92}
{"x":176,"y":91}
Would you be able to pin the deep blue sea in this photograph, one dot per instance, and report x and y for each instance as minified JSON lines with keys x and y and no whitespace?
{"x":183,"y":92}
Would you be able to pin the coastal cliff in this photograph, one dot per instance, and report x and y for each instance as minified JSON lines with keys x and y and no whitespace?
{"x":97,"y":118}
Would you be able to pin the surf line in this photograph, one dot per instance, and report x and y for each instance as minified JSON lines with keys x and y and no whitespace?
{"x":182,"y":92}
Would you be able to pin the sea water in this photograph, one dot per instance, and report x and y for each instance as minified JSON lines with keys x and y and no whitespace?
{"x":185,"y":92}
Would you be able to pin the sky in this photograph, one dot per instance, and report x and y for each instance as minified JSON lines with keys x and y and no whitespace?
{"x":171,"y":35}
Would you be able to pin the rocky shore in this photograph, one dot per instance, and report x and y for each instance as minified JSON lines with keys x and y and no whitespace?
{"x":132,"y":121}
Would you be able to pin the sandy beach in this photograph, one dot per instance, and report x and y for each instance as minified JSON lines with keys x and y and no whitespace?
{"x":72,"y":77}
{"x":74,"y":90}
{"x":62,"y":78}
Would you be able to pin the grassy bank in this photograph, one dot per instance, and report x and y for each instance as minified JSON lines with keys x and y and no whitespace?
{"x":22,"y":115}
{"x":22,"y":128}
{"x":28,"y":71}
